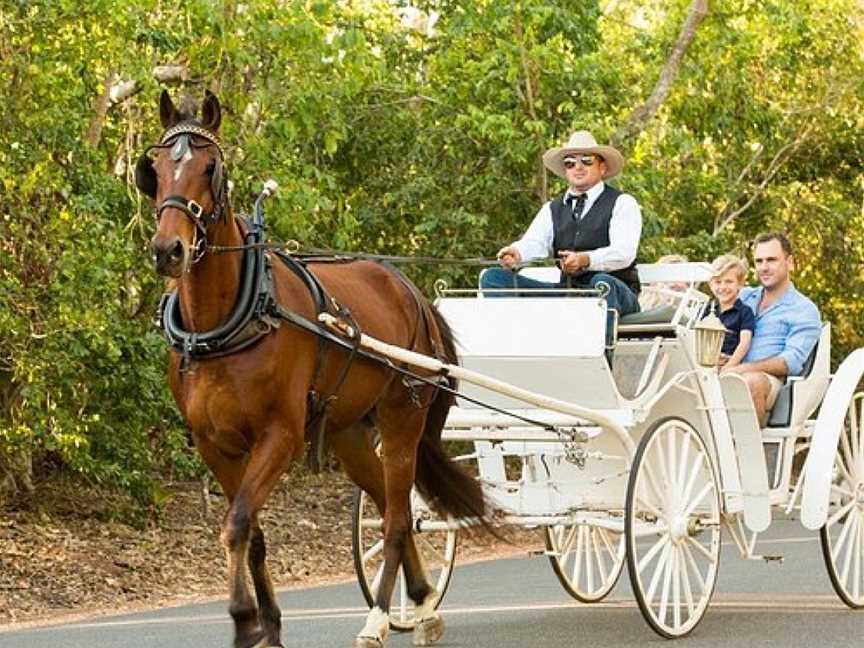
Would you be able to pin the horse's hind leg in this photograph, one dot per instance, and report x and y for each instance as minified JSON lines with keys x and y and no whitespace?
{"x":400,"y":432}
{"x":353,"y":446}
{"x":269,"y":614}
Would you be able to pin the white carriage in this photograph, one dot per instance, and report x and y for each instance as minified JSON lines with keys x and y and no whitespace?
{"x":645,"y":465}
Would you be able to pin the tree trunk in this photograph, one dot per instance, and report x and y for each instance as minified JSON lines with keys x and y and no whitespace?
{"x":640,"y":117}
{"x":94,"y":131}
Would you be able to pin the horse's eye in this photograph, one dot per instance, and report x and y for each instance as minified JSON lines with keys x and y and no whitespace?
{"x":211,"y":166}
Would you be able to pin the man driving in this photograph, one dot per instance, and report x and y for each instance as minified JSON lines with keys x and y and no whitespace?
{"x":592,"y":230}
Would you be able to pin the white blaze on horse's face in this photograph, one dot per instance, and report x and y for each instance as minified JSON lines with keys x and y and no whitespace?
{"x":178,"y":170}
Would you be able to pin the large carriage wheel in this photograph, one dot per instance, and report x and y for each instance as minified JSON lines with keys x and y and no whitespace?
{"x":843,"y":534}
{"x":672,"y":527}
{"x":437,"y":547}
{"x":587,"y":559}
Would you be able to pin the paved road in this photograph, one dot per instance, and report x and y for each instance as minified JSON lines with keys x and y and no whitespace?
{"x":517,"y":603}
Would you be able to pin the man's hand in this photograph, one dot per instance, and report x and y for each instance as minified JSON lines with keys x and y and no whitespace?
{"x":739,"y":369}
{"x":573,"y":262}
{"x":509,"y":256}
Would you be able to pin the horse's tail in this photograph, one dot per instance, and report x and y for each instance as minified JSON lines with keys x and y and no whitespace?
{"x":440,"y":479}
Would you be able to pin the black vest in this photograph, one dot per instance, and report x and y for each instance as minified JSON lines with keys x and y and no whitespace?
{"x":588,"y":233}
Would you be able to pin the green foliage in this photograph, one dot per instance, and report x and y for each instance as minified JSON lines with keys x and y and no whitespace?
{"x":389,"y":134}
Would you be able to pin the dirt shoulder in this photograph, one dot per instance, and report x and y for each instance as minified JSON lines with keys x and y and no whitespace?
{"x":60,"y":561}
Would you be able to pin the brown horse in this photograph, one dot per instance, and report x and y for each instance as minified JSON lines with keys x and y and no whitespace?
{"x":247,"y":405}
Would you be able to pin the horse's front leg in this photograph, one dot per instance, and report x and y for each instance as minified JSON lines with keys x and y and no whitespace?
{"x":270,"y":457}
{"x":269,"y":614}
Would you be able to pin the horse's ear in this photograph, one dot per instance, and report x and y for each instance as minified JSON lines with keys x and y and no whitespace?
{"x":211,"y":112}
{"x":145,"y":177}
{"x":168,"y":114}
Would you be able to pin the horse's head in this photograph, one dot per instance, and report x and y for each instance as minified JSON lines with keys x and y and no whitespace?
{"x":185,"y":177}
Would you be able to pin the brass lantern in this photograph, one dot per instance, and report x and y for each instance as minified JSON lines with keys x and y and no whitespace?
{"x":709,"y":339}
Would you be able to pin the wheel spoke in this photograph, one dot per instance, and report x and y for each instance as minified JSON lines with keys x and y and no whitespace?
{"x":589,"y":562}
{"x":649,"y":555}
{"x":847,"y":558}
{"x":846,"y":458}
{"x":658,"y":571}
{"x":703,"y":550}
{"x":667,"y":576}
{"x":685,"y":580}
{"x":844,"y":532}
{"x":664,"y":473}
{"x":577,"y":555}
{"x":601,"y":561}
{"x":376,"y":581}
{"x":373,"y":551}
{"x":604,"y":535}
{"x":691,"y":478}
{"x":853,"y":429}
{"x":676,"y":588}
{"x":433,"y":553}
{"x":652,"y":483}
{"x":649,"y":506}
{"x":843,"y":510}
{"x":672,"y":449}
{"x":691,"y":560}
{"x":856,"y":587}
{"x":403,"y":596}
{"x":698,"y":499}
{"x":685,"y":453}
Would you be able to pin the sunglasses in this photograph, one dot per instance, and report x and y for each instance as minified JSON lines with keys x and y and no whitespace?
{"x":586,"y":160}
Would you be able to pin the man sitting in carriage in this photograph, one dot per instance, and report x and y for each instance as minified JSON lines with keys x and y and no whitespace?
{"x":787,"y":323}
{"x":592,"y":230}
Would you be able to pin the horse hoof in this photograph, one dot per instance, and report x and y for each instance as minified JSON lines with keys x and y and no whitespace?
{"x":368,"y":642}
{"x":265,"y":643}
{"x":428,"y":631}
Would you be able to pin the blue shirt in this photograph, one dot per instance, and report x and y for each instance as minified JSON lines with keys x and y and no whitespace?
{"x":788,"y":328}
{"x":736,"y":318}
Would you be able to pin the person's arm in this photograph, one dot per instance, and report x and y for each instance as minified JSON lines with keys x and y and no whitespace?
{"x":775,"y":365}
{"x":536,"y":243}
{"x":625,"y":228}
{"x":803,"y":335}
{"x":740,"y":350}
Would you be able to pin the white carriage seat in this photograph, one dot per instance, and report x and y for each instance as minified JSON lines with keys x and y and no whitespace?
{"x":685,"y":307}
{"x":553,"y":347}
{"x":800,"y":395}
{"x":664,"y":319}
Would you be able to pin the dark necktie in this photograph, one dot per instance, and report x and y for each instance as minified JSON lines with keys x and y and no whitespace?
{"x":576,"y":204}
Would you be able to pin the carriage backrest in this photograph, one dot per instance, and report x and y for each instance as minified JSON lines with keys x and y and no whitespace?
{"x":800,"y":395}
{"x":554,"y":347}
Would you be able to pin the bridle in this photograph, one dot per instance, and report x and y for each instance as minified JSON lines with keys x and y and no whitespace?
{"x":179,"y":139}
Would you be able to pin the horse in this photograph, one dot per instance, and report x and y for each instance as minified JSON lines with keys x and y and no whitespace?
{"x":246,"y":397}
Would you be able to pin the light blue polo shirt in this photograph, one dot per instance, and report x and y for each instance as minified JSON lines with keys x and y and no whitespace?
{"x":789,"y":328}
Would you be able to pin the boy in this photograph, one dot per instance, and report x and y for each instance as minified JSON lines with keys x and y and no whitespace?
{"x":730,"y":275}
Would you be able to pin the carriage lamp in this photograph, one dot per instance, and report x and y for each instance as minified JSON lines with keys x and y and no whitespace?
{"x":709,"y":339}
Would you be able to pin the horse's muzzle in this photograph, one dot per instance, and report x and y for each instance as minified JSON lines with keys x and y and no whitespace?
{"x":169,"y":256}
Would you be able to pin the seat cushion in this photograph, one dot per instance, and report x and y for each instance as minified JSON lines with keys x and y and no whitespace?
{"x":659,"y":315}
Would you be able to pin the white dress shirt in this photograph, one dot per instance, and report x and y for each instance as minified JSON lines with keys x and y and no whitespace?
{"x":625,"y":228}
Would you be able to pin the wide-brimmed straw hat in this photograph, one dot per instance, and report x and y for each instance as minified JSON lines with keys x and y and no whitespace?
{"x":583,"y":142}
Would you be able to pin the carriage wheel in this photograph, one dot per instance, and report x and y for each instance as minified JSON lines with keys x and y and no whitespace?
{"x":587,"y":559}
{"x":437,"y":547}
{"x":842,"y":535}
{"x":672,"y":527}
